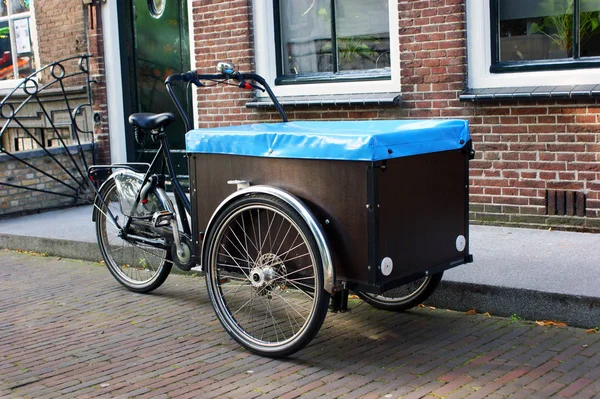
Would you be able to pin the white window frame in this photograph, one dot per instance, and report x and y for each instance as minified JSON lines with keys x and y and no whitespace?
{"x":266,"y":59}
{"x":12,"y":83}
{"x":479,"y":50}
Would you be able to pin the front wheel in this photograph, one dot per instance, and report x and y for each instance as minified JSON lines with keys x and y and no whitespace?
{"x":405,"y":297}
{"x":265,"y":276}
{"x":139,"y":267}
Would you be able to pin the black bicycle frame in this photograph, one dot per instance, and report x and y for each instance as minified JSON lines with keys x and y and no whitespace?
{"x":181,"y":201}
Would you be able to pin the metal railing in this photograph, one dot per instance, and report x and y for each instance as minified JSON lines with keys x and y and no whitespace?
{"x":49,"y":115}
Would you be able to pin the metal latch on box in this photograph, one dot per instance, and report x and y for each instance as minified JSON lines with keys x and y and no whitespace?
{"x":241,"y":184}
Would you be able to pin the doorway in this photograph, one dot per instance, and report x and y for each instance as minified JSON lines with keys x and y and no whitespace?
{"x":156,"y":44}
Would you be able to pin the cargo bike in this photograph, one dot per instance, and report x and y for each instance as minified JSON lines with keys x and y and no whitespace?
{"x":287,"y":218}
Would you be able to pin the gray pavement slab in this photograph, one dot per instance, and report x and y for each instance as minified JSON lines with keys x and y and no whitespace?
{"x":541,"y":260}
{"x":70,"y":330}
{"x":73,"y":224}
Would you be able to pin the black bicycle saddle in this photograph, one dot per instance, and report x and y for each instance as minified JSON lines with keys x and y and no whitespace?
{"x":150,"y":121}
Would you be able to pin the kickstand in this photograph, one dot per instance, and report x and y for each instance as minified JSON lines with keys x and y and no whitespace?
{"x":339,"y":301}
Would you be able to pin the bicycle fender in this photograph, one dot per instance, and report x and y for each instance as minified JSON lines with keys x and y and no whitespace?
{"x":305,"y":213}
{"x":98,"y":201}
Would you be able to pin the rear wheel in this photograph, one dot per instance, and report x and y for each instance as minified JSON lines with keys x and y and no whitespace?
{"x":139,"y":267}
{"x":265,"y":276}
{"x":404,"y":297}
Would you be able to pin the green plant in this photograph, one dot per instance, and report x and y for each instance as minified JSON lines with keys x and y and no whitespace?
{"x":352,"y":48}
{"x":559,"y":27}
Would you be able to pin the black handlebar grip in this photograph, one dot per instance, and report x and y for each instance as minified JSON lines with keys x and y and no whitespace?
{"x":190,"y":76}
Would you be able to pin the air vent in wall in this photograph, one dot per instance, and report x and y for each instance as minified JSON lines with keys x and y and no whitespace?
{"x":565,"y":203}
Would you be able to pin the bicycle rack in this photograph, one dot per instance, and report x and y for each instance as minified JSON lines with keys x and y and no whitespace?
{"x":47,"y":129}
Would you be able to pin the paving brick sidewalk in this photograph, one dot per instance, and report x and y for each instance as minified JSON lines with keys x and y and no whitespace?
{"x":67,"y":329}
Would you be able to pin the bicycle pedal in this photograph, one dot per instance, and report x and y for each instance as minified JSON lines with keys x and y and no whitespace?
{"x":162,"y":218}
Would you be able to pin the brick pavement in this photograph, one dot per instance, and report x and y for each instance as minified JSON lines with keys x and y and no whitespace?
{"x":68,"y":329}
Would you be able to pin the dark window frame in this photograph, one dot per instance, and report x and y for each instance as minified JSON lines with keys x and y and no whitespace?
{"x":576,"y":62}
{"x":320,"y":77}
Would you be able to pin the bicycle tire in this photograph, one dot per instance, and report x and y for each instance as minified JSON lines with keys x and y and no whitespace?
{"x":404,"y":297}
{"x":140,"y":268}
{"x":265,"y":276}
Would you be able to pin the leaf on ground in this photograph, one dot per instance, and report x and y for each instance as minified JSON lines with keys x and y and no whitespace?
{"x":591,"y":331}
{"x":432,"y":307}
{"x":472,"y":311}
{"x":352,"y":296}
{"x":420,"y":305}
{"x":550,"y":323}
{"x":487,"y":314}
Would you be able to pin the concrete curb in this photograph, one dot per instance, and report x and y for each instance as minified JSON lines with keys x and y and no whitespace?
{"x":87,"y":251}
{"x":577,"y":311}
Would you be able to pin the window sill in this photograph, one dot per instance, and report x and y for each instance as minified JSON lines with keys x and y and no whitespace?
{"x":532,"y":93}
{"x":332,"y":99}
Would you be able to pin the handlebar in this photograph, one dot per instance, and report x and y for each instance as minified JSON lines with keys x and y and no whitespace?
{"x":241,"y":78}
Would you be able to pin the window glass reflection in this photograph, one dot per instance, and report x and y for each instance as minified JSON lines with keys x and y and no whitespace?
{"x":23,"y":46}
{"x":306,"y":36}
{"x":363,"y":36}
{"x":535,"y":29}
{"x":589,"y":30}
{"x":6,"y":62}
{"x":19,"y":6}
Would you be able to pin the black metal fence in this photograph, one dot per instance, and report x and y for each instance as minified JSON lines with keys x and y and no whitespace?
{"x":46,"y":139}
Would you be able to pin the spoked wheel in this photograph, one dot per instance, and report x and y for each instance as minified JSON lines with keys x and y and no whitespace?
{"x":265,"y":276}
{"x":139,"y":267}
{"x":404,"y":297}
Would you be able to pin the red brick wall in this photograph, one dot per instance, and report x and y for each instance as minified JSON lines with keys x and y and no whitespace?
{"x":67,"y":28}
{"x":60,"y":29}
{"x":222,"y":31}
{"x":524,"y":148}
{"x":528,"y":148}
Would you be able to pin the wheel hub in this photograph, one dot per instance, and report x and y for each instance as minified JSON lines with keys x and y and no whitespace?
{"x":264,"y":275}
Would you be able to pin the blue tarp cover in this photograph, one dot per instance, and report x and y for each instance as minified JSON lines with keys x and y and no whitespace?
{"x":346,"y":140}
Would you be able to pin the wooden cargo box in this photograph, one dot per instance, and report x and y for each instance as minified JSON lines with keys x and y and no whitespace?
{"x":391,"y":196}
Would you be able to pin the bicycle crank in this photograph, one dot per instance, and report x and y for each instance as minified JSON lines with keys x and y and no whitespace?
{"x":181,"y":248}
{"x":184,"y":260}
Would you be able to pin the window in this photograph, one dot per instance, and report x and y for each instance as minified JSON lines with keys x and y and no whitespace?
{"x":333,"y":39}
{"x":16,"y":50}
{"x":538,"y":34}
{"x":327,"y":46}
{"x":513,"y":43}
